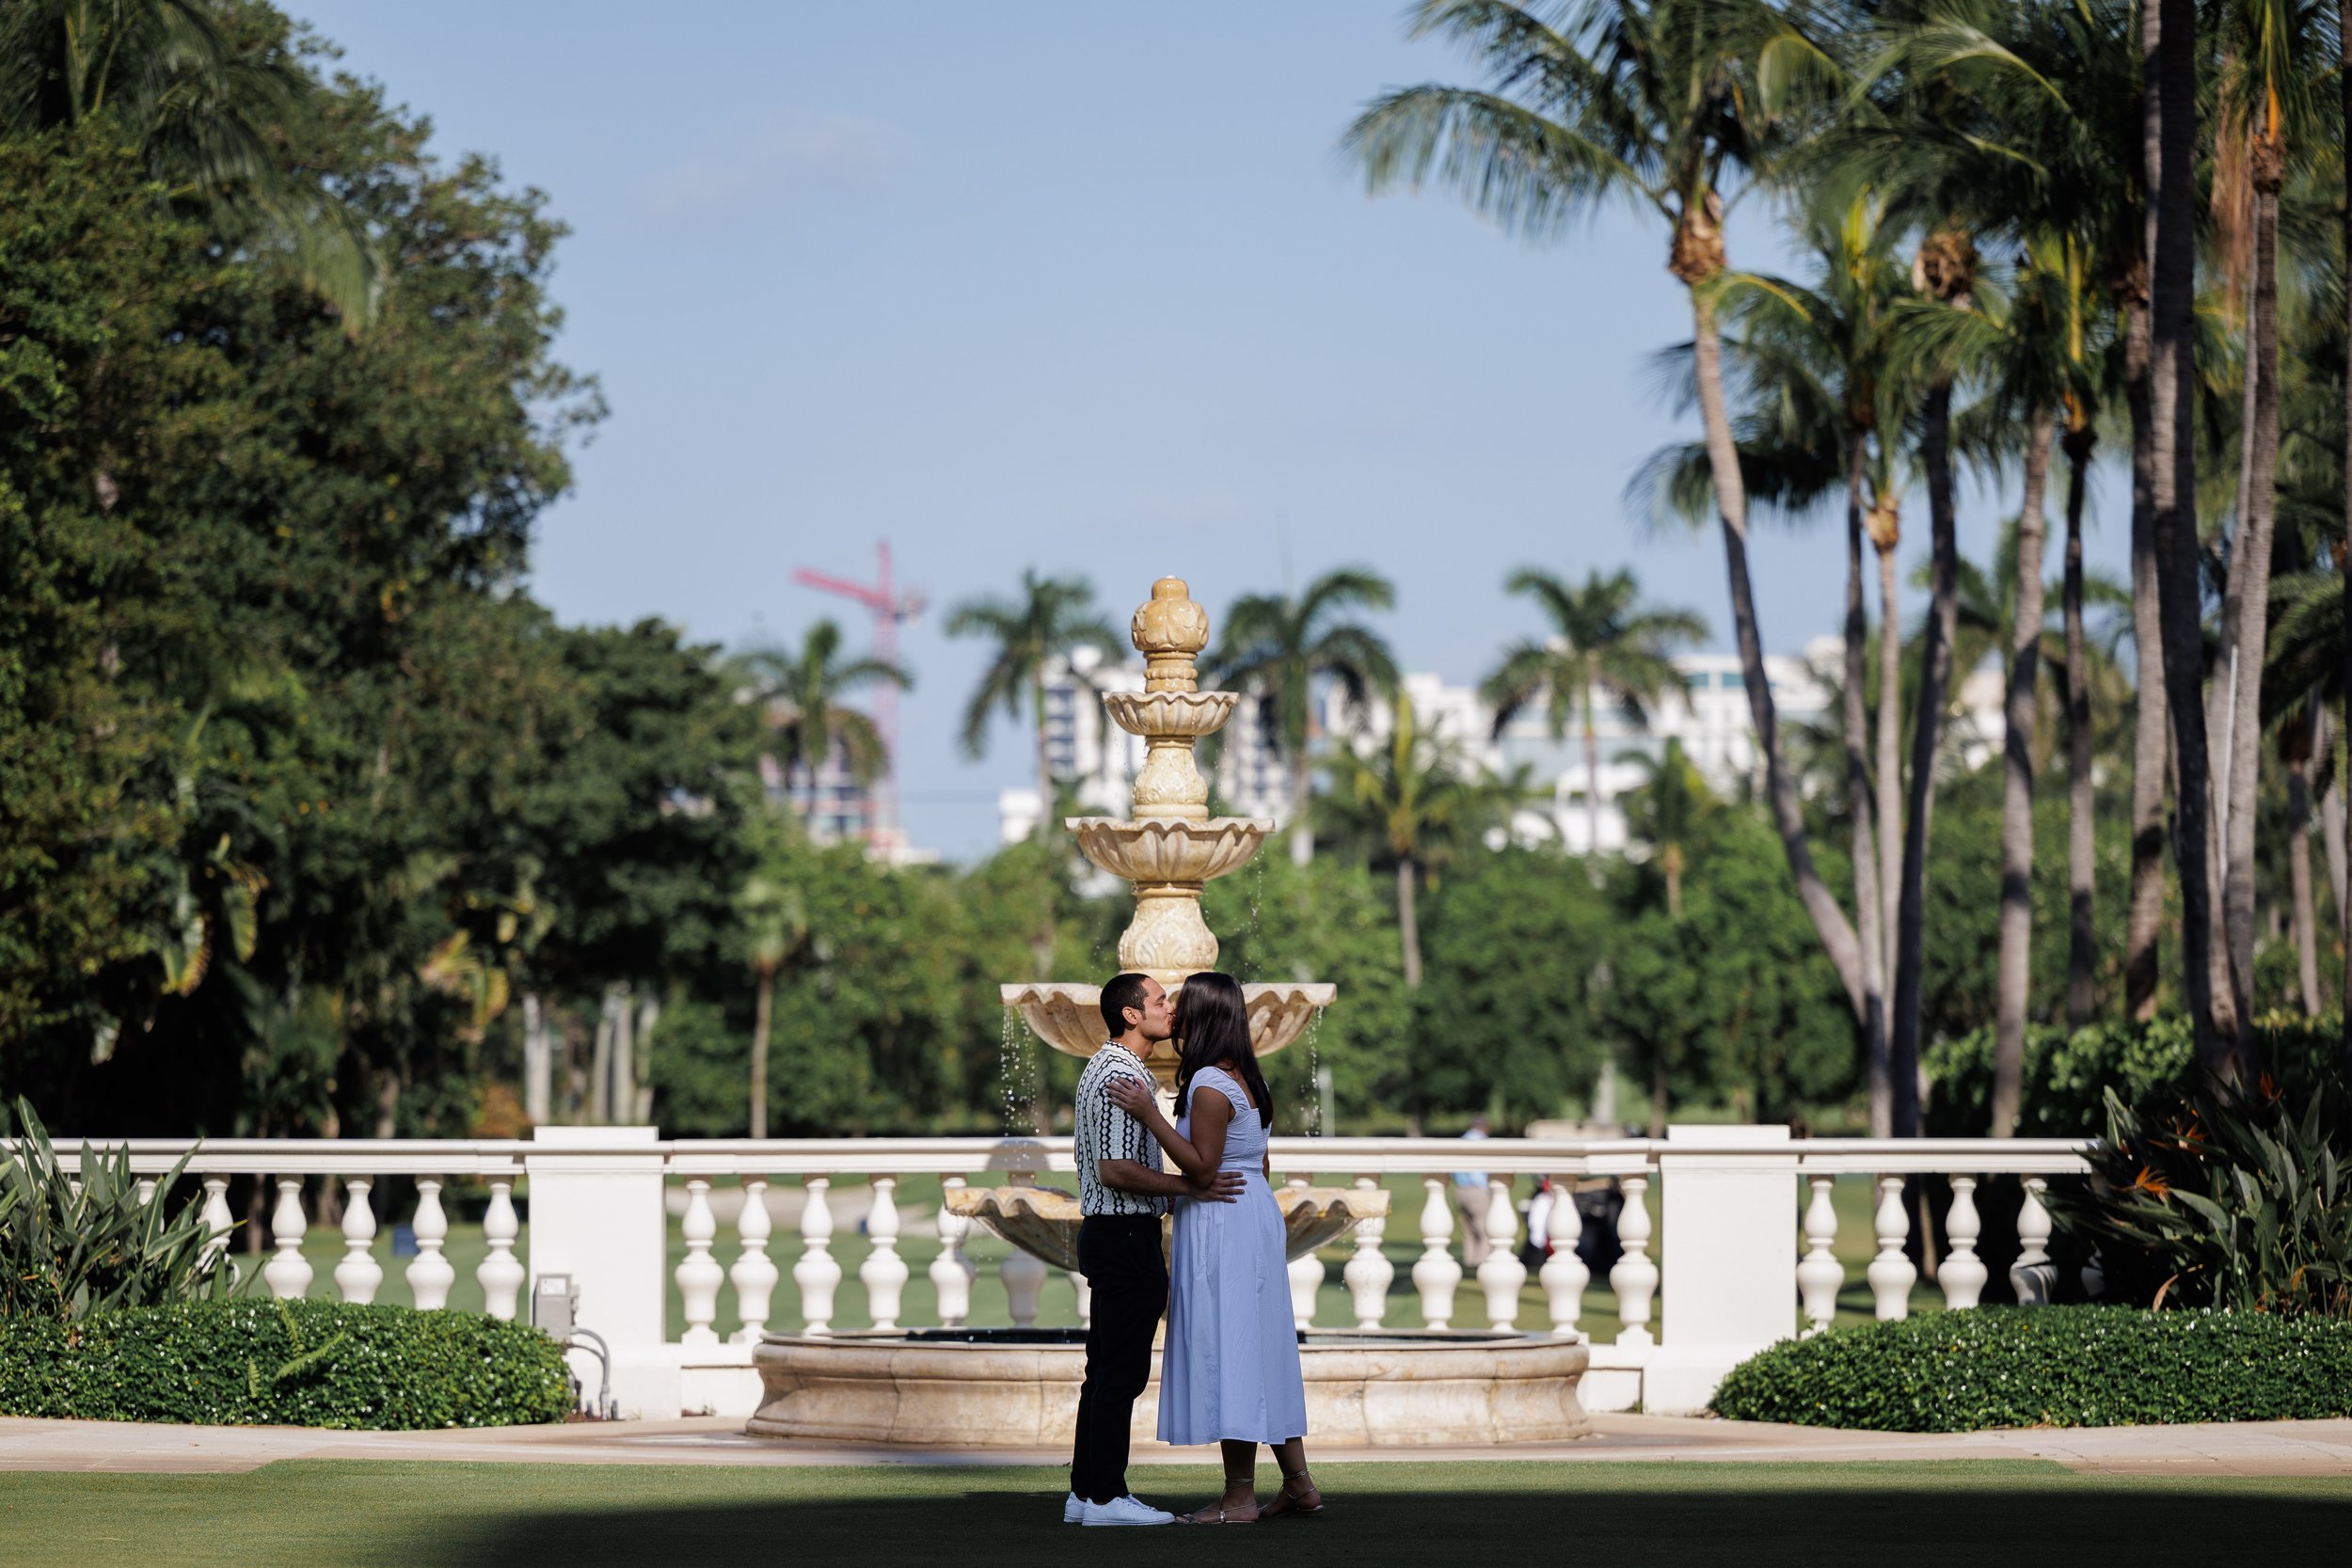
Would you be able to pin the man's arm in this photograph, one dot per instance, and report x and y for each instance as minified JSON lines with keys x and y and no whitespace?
{"x":1129,"y":1176}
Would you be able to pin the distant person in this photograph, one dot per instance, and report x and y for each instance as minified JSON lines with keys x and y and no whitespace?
{"x":1122,"y":1192}
{"x":1229,"y":1373}
{"x":1470,"y":1196}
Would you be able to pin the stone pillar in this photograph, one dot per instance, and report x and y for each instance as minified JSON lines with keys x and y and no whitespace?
{"x":597,"y":1215}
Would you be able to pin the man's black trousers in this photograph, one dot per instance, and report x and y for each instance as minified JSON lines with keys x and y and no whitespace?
{"x":1120,"y":1255}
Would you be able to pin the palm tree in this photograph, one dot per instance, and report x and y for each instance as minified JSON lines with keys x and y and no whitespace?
{"x":1604,"y":642}
{"x":804,"y":690}
{"x":775,"y":924}
{"x":1278,"y":647}
{"x":213,"y":110}
{"x":2344,"y":632}
{"x":1669,"y":104}
{"x":1665,"y":811}
{"x":1051,"y":616}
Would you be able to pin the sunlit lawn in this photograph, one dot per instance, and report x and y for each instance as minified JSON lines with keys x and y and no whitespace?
{"x":918,"y":1244}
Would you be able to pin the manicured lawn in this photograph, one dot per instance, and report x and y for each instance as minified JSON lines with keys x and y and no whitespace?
{"x":1965,"y":1514}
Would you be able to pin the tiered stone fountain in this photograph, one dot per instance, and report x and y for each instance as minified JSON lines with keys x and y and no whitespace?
{"x":1018,"y":1388}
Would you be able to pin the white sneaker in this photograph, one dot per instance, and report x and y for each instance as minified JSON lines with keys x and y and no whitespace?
{"x":1129,"y":1509}
{"x":1073,"y":1509}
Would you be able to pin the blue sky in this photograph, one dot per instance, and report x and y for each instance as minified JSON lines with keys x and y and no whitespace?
{"x":1075,"y":286}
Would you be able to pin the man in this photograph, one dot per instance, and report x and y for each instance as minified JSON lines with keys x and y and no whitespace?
{"x":1470,"y":1195}
{"x":1122,"y":1192}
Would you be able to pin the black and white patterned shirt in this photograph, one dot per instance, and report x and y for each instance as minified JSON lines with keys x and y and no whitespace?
{"x":1104,"y":1131}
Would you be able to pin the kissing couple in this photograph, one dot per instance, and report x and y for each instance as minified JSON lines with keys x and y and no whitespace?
{"x":1228,"y":1372}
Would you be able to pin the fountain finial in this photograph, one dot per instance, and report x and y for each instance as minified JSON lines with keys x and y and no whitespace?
{"x":1169,"y":631}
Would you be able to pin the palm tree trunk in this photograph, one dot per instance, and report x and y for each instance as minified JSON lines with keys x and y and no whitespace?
{"x":1935,"y":676}
{"x":1409,"y":922}
{"x":2150,"y":723}
{"x":1866,"y":879}
{"x":1890,"y":767}
{"x":2246,"y":616}
{"x":1044,"y":764}
{"x":763,"y":1012}
{"x":2344,"y":892}
{"x":2082,"y":935}
{"x":2298,"y":743}
{"x":2013,"y":966}
{"x":1821,"y":906}
{"x":2170,"y":121}
{"x":2331,"y":825}
{"x":1592,"y":785}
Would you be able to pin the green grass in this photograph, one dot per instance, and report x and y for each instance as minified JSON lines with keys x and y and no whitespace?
{"x":1960,"y":1514}
{"x":918,"y":1244}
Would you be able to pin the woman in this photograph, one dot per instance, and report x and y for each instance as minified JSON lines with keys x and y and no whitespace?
{"x":1229,"y":1371}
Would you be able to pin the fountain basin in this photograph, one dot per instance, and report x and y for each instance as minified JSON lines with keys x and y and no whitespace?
{"x":1168,"y":848}
{"x":1172,"y":713}
{"x":1018,"y":1389}
{"x":1043,"y":1221}
{"x":1068,"y":1017}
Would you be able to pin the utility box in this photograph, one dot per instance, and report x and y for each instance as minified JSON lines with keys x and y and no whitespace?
{"x":555,"y":1305}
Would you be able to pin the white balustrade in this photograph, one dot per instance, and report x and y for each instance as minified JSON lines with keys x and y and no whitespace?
{"x":698,"y":1272}
{"x":753,"y":1275}
{"x":359,"y":1275}
{"x":1501,"y":1275}
{"x":288,"y":1273}
{"x":218,"y":1221}
{"x":430,"y":1275}
{"x":884,"y":1272}
{"x":1369,"y":1272}
{"x":1891,"y":1274}
{"x":1306,"y":1278}
{"x":952,"y":1272}
{"x":1963,"y":1273}
{"x":1024,"y":1278}
{"x":1085,"y":1294}
{"x":2033,"y":1275}
{"x":1635,"y":1277}
{"x":1819,"y":1274}
{"x":816,"y":1273}
{"x":147,"y":1190}
{"x":501,"y":1274}
{"x":1436,"y":1274}
{"x":1564,"y":1275}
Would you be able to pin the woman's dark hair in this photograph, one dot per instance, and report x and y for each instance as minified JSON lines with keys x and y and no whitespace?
{"x":1212,"y":1030}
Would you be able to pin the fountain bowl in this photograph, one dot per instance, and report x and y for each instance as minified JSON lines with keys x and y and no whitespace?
{"x":1043,"y":1221}
{"x":1168,"y":848}
{"x":1068,"y":1017}
{"x":1171,"y":714}
{"x":999,"y":1389}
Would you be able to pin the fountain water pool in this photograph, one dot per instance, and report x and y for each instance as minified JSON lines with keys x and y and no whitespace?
{"x":1018,"y":1388}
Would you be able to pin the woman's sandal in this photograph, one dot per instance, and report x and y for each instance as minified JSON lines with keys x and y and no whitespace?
{"x":1288,"y":1504}
{"x":1217,"y":1516}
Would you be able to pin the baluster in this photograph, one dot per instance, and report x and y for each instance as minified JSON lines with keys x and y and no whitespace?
{"x":1084,"y":1293}
{"x":501,"y":1275}
{"x":218,"y":1225}
{"x":1023,"y":1280}
{"x":754,"y":1275}
{"x":1819,"y":1273}
{"x":1501,"y":1275}
{"x":951,"y":1272}
{"x":1369,"y":1272}
{"x":698,"y":1273}
{"x":288,"y":1273}
{"x":2031,"y":1275}
{"x":1564,"y":1275}
{"x":1891,"y":1274}
{"x":1306,"y":1275}
{"x":884,"y":1273}
{"x":1635,"y":1277}
{"x":1963,"y":1273}
{"x":1436,"y":1273}
{"x":359,"y":1275}
{"x":816,"y":1273}
{"x":147,"y":1190}
{"x":430,"y":1275}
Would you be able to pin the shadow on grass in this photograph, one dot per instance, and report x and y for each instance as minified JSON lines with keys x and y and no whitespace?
{"x":1961,"y":1514}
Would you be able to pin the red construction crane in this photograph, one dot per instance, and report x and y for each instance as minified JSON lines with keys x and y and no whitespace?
{"x":890,"y":607}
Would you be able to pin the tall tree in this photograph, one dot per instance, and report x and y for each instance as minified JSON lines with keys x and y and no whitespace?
{"x":1665,"y":811}
{"x":804,"y":688}
{"x":1603,"y":641}
{"x":1278,"y":648}
{"x":1672,"y":104}
{"x":1049,"y":618}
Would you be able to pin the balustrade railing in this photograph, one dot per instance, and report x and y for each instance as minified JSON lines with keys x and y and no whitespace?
{"x":614,"y":1169}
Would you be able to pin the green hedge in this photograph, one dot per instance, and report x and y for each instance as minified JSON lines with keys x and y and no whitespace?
{"x":2050,"y":1366}
{"x":268,"y":1363}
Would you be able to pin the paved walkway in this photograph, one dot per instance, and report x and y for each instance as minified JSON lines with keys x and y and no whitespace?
{"x":2248,"y":1449}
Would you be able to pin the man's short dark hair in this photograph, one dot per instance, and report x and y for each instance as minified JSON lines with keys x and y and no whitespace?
{"x":1122,"y":992}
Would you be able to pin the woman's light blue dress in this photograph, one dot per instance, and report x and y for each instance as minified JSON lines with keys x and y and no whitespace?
{"x":1230,"y":1368}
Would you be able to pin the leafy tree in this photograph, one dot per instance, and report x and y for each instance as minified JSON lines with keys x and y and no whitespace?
{"x":1602,"y":640}
{"x":1278,"y":647}
{"x":1050,"y":617}
{"x":804,"y":690}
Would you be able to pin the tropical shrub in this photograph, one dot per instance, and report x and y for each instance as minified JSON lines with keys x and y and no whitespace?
{"x":2049,"y":1366}
{"x":2233,"y":1198}
{"x":68,"y":1250}
{"x":276,"y":1362}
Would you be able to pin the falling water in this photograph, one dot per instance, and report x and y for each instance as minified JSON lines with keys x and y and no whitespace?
{"x":1312,"y":1118}
{"x":1257,"y":897}
{"x":1012,"y":1075}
